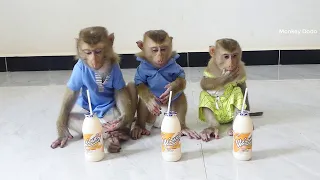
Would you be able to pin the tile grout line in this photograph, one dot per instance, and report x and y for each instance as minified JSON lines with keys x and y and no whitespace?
{"x":5,"y":62}
{"x":204,"y":164}
{"x":188,"y":64}
{"x":279,"y":63}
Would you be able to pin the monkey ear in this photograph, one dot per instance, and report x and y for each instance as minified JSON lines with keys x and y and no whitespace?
{"x":111,"y":37}
{"x":211,"y":50}
{"x":140,"y":44}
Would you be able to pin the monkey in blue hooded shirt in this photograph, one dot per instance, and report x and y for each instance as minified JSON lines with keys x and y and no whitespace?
{"x":157,"y":75}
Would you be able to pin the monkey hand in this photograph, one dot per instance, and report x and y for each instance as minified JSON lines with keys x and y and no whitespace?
{"x":64,"y":136}
{"x":190,"y":133}
{"x":206,"y":133}
{"x":229,"y":76}
{"x":153,"y":106}
{"x":113,"y":139}
{"x":112,"y":144}
{"x":164,"y":98}
{"x":120,"y":134}
{"x":230,"y":132}
{"x":137,"y":132}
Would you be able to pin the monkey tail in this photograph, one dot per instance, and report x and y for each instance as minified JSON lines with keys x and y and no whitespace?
{"x":256,"y":113}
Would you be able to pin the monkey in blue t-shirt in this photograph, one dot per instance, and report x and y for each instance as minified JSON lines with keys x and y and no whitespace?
{"x":112,"y":100}
{"x":157,"y":75}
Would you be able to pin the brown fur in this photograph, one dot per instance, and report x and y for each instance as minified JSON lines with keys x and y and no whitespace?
{"x":126,"y":98}
{"x":225,"y":57}
{"x":157,"y":47}
{"x":93,"y":36}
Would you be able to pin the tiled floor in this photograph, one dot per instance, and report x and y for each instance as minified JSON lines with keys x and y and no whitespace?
{"x":286,"y":140}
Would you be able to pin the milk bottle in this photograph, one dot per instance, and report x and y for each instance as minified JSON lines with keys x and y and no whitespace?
{"x":242,"y":136}
{"x":170,"y":135}
{"x":93,"y":140}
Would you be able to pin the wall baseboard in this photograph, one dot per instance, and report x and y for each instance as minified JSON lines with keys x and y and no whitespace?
{"x":187,"y":59}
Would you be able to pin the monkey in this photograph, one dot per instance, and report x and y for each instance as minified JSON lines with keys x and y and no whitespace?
{"x":157,"y":74}
{"x":223,"y":86}
{"x":114,"y":102}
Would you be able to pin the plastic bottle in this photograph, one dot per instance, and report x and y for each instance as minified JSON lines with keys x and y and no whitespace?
{"x":93,"y":139}
{"x":170,"y":135}
{"x":242,"y":136}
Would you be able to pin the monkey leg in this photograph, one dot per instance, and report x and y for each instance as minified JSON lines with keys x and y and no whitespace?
{"x":144,"y":118}
{"x":223,"y":108}
{"x":112,"y":137}
{"x":74,"y":123}
{"x":213,"y":128}
{"x":180,"y":106}
{"x":131,"y":88}
{"x":112,"y":133}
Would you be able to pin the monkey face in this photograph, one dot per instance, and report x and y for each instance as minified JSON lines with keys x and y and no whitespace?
{"x":94,"y":45}
{"x":227,"y":54}
{"x":158,"y":54}
{"x":93,"y":55}
{"x":228,"y":61}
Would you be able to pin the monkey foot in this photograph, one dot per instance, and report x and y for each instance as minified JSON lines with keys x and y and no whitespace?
{"x":230,"y":132}
{"x":190,"y":133}
{"x":112,"y":145}
{"x":137,"y":132}
{"x":62,"y":141}
{"x":208,"y":132}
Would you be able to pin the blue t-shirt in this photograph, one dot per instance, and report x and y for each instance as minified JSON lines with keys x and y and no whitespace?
{"x":156,"y":79}
{"x":101,"y":93}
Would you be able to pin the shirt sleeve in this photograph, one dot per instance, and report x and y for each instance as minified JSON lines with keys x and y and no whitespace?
{"x":179,"y":71}
{"x":75,"y":81}
{"x":118,"y":81}
{"x":206,"y":74}
{"x":140,"y":76}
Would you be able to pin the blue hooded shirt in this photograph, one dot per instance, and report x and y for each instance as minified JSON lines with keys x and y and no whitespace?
{"x":156,"y":79}
{"x":101,"y":93}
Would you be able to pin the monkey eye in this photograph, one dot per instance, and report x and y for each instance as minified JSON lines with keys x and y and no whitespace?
{"x":87,"y":52}
{"x":226,"y":56}
{"x":163,"y":49}
{"x":154,"y":50}
{"x":97,"y":51}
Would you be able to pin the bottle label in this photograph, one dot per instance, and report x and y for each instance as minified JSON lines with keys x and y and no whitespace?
{"x":170,"y":141}
{"x":93,"y":142}
{"x":242,"y":142}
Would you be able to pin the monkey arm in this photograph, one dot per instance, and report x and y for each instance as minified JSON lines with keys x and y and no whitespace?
{"x":144,"y":92}
{"x":122,"y":97}
{"x":70,"y":96}
{"x":123,"y":103}
{"x":178,"y":85}
{"x":140,"y":81}
{"x":208,"y":83}
{"x":69,"y":100}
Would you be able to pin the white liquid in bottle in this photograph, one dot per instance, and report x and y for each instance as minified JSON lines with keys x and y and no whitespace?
{"x":242,"y":136}
{"x":170,"y":135}
{"x":93,"y":139}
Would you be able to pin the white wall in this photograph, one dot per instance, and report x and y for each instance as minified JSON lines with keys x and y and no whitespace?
{"x":48,"y":27}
